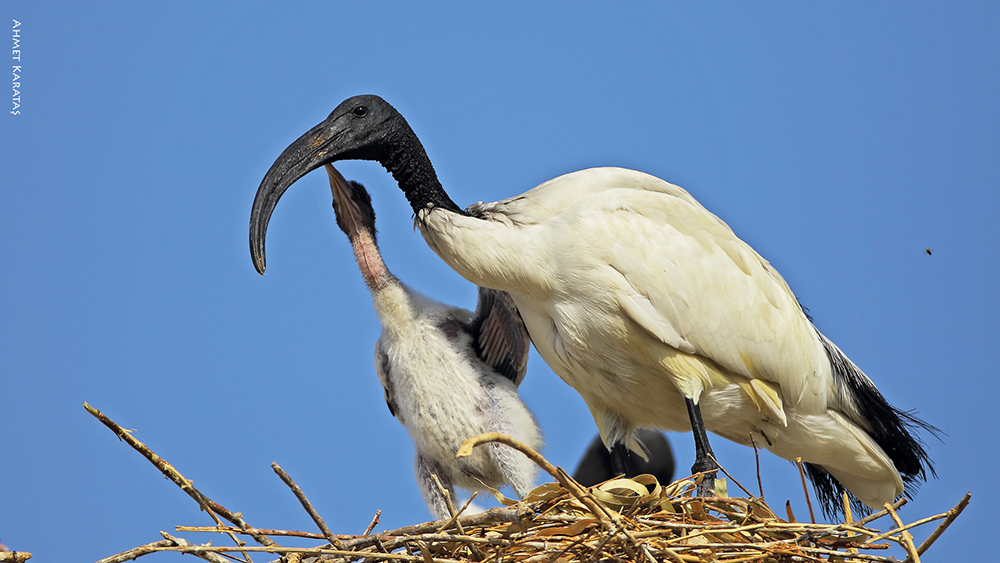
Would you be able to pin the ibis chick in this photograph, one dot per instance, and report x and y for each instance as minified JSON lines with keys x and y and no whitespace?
{"x":448,"y":374}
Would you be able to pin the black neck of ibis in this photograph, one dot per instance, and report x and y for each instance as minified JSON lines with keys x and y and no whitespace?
{"x":405,"y":158}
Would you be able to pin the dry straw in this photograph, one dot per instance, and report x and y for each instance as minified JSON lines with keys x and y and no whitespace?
{"x":623,"y":520}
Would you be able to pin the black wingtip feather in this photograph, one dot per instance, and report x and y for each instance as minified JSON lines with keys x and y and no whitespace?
{"x":897,"y":432}
{"x":829,"y":493}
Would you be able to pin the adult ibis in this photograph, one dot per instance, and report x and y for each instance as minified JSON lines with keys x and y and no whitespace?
{"x":448,"y":374}
{"x":647,"y":304}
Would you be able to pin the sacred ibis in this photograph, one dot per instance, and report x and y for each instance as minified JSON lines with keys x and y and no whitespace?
{"x":647,"y":304}
{"x":448,"y":374}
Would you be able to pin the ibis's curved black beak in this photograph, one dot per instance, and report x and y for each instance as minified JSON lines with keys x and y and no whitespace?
{"x":310,"y":151}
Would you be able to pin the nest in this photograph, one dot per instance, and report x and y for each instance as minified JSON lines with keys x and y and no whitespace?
{"x":623,"y":520}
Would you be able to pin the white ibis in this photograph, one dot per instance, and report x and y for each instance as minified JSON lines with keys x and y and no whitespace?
{"x":448,"y":375}
{"x":647,"y":304}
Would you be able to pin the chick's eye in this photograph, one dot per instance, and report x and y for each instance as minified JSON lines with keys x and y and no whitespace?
{"x":360,"y":111}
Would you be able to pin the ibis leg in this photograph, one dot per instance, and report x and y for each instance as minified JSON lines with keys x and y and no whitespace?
{"x":704,"y":457}
{"x":621,"y":460}
{"x":434,"y":496}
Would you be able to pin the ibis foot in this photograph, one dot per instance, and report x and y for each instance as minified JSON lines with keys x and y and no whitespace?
{"x":708,"y":469}
{"x":621,"y":461}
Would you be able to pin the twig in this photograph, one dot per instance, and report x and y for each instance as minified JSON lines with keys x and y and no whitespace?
{"x":454,"y":518}
{"x":160,"y":463}
{"x":600,"y":545}
{"x":207,"y":556}
{"x":374,"y":523}
{"x":135,"y":552}
{"x":169,"y":541}
{"x":425,"y":552}
{"x":635,"y":542}
{"x":952,"y":514}
{"x":848,"y":515}
{"x":756,"y":456}
{"x":597,"y":508}
{"x":671,"y":554}
{"x":788,"y":510}
{"x":801,"y":549}
{"x":911,"y":525}
{"x":731,"y":478}
{"x":206,"y":504}
{"x":467,"y":503}
{"x":237,"y":519}
{"x":305,"y":504}
{"x":14,"y":556}
{"x":447,"y":501}
{"x":235,"y":530}
{"x":881,"y":513}
{"x":304,"y":551}
{"x":907,"y":536}
{"x":805,"y":489}
{"x":493,"y":516}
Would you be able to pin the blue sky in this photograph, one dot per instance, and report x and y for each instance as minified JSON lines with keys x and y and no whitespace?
{"x":839,"y":139}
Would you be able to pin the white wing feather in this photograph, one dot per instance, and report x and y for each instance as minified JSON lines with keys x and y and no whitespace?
{"x":756,"y":329}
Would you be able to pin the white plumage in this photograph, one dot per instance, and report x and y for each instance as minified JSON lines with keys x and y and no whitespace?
{"x":646,"y":303}
{"x":637,"y":297}
{"x":448,"y":374}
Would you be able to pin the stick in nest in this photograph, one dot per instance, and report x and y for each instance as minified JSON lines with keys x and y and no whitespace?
{"x":206,"y":504}
{"x":374,"y":523}
{"x":756,"y":455}
{"x":906,"y":535}
{"x":304,"y":501}
{"x":949,"y":518}
{"x":597,"y":508}
{"x":805,"y":489}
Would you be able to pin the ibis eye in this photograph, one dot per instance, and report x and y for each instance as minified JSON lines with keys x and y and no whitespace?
{"x":360,"y":111}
